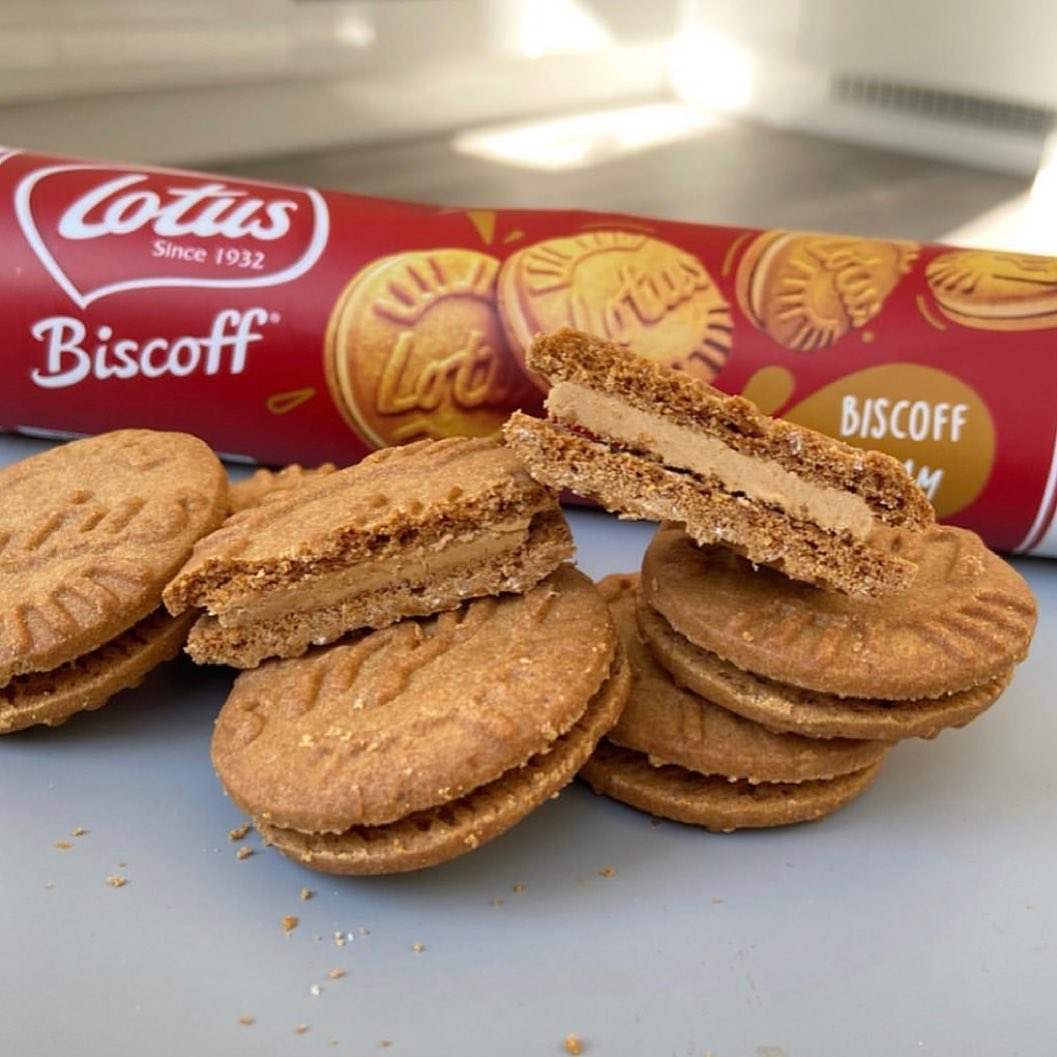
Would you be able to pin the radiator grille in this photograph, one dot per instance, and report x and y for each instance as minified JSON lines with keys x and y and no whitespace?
{"x":938,"y":105}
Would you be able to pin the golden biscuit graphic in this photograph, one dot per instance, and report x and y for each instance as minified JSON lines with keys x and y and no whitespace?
{"x":995,"y":291}
{"x":623,"y":286}
{"x":415,"y":349}
{"x":808,"y":291}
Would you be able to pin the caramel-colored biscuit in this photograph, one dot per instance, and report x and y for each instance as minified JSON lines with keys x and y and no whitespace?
{"x":671,"y":725}
{"x":437,"y":834}
{"x":650,"y":442}
{"x":407,"y":532}
{"x":784,"y":708}
{"x":995,"y":291}
{"x":263,"y":483}
{"x":713,"y":802}
{"x":965,"y":621}
{"x":90,"y":531}
{"x":370,"y":730}
{"x":414,"y":349}
{"x":630,"y":288}
{"x":808,"y":291}
{"x":416,"y":717}
{"x":88,"y":682}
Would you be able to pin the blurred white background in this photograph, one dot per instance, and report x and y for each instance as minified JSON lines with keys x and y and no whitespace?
{"x":922,"y":118}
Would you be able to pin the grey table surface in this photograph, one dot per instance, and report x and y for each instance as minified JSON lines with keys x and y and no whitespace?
{"x":922,"y":919}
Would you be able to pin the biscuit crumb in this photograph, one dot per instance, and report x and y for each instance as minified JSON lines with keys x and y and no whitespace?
{"x":245,"y":1021}
{"x":244,"y":852}
{"x":306,"y":894}
{"x":315,"y":990}
{"x":239,"y":832}
{"x":496,"y":903}
{"x":117,"y":881}
{"x":384,"y":1044}
{"x":364,"y":931}
{"x":717,"y":900}
{"x":418,"y":948}
{"x":336,"y":974}
{"x":607,"y":871}
{"x":289,"y":923}
{"x":573,"y":1045}
{"x":519,"y":888}
{"x":339,"y":939}
{"x":300,"y":1029}
{"x":62,"y":845}
{"x":78,"y":831}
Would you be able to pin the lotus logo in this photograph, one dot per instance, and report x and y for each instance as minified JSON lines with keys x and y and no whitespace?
{"x":100,"y":231}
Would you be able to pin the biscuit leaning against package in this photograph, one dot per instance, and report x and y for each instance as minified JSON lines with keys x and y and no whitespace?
{"x":286,"y":324}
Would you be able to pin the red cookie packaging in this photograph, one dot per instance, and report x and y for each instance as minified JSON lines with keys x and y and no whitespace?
{"x":287,"y":324}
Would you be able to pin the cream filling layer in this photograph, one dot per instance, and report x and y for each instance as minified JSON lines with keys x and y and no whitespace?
{"x":407,"y":567}
{"x":687,"y":449}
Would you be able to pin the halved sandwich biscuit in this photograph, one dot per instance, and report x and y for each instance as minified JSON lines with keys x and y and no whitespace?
{"x":650,"y":442}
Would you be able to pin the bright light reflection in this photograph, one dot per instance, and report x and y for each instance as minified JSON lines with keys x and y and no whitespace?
{"x":712,"y":70}
{"x":581,"y":140}
{"x":557,"y":27}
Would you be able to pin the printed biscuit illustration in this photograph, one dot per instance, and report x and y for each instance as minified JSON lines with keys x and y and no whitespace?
{"x":626,"y":287}
{"x":995,"y":291}
{"x":808,"y":291}
{"x":414,"y":349}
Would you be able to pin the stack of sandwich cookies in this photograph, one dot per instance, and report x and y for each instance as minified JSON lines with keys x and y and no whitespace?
{"x":404,"y":747}
{"x":825,"y":665}
{"x":407,"y":532}
{"x":678,"y":755}
{"x":650,"y":442}
{"x":90,"y":532}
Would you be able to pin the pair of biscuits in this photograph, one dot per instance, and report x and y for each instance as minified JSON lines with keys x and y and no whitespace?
{"x":90,"y":532}
{"x":650,"y":442}
{"x":823,"y":684}
{"x":425,"y":668}
{"x":799,"y":590}
{"x":404,"y":747}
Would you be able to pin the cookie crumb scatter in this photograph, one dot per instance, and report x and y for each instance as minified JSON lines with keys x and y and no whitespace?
{"x":306,"y":894}
{"x":336,"y":974}
{"x":117,"y":881}
{"x":78,"y":831}
{"x":289,"y":923}
{"x":245,"y":1021}
{"x":607,"y":871}
{"x":300,"y":1029}
{"x":244,"y":852}
{"x":62,"y":845}
{"x":384,"y":1044}
{"x":239,"y":832}
{"x":418,"y":948}
{"x":573,"y":1045}
{"x":519,"y":888}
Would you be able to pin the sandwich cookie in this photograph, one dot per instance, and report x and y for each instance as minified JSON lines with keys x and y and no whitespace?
{"x":808,"y":291}
{"x":813,"y":662}
{"x":635,"y":290}
{"x":406,"y":532}
{"x":995,"y":291}
{"x":90,"y":532}
{"x":649,"y":442}
{"x":400,"y":748}
{"x":678,"y":755}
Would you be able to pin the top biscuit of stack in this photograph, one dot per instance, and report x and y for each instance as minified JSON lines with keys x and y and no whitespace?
{"x":408,"y":531}
{"x":650,"y":442}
